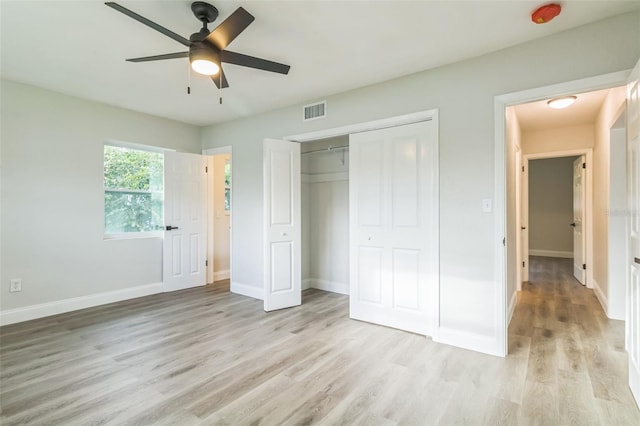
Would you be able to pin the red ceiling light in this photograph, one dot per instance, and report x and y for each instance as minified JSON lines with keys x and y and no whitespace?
{"x":546,"y":13}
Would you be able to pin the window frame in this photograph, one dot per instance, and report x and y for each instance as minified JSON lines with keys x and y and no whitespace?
{"x":137,"y":234}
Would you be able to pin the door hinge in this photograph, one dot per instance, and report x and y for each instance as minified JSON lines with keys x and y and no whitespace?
{"x":584,"y":165}
{"x":523,"y":168}
{"x":206,"y":263}
{"x":584,"y":266}
{"x":206,"y":169}
{"x":504,"y":241}
{"x":523,"y":263}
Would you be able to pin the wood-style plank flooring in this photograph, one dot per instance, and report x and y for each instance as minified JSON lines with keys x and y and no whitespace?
{"x":205,"y":356}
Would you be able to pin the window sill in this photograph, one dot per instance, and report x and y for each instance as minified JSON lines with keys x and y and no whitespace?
{"x":133,"y":235}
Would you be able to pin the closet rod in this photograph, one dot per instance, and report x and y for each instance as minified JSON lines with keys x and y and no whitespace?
{"x":331,"y":148}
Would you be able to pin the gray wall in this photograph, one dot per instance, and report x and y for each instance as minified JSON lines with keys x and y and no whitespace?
{"x":551,"y":204}
{"x":52,"y":196}
{"x":464,"y":93}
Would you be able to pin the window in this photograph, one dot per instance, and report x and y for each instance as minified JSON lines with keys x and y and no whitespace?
{"x":133,"y":190}
{"x":227,"y":186}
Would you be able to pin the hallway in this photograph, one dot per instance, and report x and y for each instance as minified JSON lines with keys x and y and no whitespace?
{"x":576,"y":354}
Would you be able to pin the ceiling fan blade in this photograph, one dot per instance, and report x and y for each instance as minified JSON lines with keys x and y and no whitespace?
{"x":216,"y":79}
{"x":253,"y":62}
{"x":160,"y":57}
{"x":149,"y":23}
{"x":226,"y":32}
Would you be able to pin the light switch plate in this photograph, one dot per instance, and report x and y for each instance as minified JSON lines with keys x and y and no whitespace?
{"x":486,"y":205}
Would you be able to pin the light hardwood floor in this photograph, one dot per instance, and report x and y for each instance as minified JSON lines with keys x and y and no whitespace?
{"x":205,"y":356}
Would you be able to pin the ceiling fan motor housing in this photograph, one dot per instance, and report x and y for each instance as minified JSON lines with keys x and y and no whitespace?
{"x":203,"y":50}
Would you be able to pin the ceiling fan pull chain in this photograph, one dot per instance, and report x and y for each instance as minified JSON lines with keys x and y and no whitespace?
{"x":188,"y":78}
{"x":220,"y":85}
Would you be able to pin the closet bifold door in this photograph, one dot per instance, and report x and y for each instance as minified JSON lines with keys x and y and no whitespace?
{"x":282,"y":225}
{"x":393,"y":208}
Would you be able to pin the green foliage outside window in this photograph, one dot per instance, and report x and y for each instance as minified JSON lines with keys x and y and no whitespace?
{"x":227,"y":186}
{"x":133,"y":190}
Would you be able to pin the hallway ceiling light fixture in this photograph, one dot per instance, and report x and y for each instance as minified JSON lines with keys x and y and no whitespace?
{"x":563,"y":102}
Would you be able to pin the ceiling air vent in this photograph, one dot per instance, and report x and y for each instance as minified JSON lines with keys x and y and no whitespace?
{"x":314,"y":111}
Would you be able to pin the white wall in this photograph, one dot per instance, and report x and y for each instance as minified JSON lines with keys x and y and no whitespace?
{"x":609,"y":112}
{"x":513,"y":139}
{"x":221,"y":221}
{"x":464,"y":93}
{"x":52,"y":196}
{"x":325,"y":177}
{"x":551,"y":207}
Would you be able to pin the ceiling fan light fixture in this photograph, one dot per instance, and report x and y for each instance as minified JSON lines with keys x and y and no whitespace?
{"x":563,"y":102}
{"x":205,"y":67}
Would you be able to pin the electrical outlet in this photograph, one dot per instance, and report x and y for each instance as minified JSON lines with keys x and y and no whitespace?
{"x":16,"y":285}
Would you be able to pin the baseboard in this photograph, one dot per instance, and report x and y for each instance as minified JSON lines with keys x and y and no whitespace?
{"x":466,"y":340}
{"x":601,"y":297}
{"x":221,"y":275}
{"x":551,"y":253}
{"x":42,"y":310}
{"x":512,"y":307}
{"x":326,"y":285}
{"x":247,"y":290}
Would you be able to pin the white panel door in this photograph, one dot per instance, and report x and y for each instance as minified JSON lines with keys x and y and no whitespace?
{"x":633,"y":188}
{"x":184,"y":246}
{"x":283,"y":229}
{"x":579,"y":253}
{"x":393,"y":207}
{"x":522,"y":232}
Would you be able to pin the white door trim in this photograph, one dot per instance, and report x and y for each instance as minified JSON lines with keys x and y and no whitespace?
{"x":588,"y":219}
{"x":364,"y":126}
{"x":500,"y":231}
{"x":210,"y":152}
{"x":219,"y":150}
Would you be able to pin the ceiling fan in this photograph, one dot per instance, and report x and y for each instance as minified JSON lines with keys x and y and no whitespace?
{"x":207,"y":49}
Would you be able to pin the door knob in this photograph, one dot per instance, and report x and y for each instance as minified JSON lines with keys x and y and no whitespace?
{"x":636,"y":260}
{"x":573,"y":224}
{"x":169,"y":227}
{"x":523,"y":227}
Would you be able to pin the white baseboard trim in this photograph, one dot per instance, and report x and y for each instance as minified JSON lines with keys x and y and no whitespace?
{"x":551,"y":253}
{"x":601,"y":297}
{"x":247,"y":290}
{"x":221,"y":275}
{"x":326,"y":285}
{"x":466,"y":340}
{"x":42,"y":310}
{"x":512,"y":307}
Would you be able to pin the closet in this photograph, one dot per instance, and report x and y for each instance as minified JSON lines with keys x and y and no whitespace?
{"x":325,"y":214}
{"x":357,"y":215}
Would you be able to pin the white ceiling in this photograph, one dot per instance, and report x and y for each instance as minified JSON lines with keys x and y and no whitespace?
{"x":79,"y":47}
{"x":538,"y":116}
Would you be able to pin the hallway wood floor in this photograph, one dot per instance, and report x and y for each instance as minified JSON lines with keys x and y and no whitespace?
{"x":205,"y":356}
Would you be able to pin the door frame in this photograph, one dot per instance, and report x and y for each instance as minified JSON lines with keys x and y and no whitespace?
{"x":501,"y":102}
{"x":588,"y":211}
{"x":209,"y":153}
